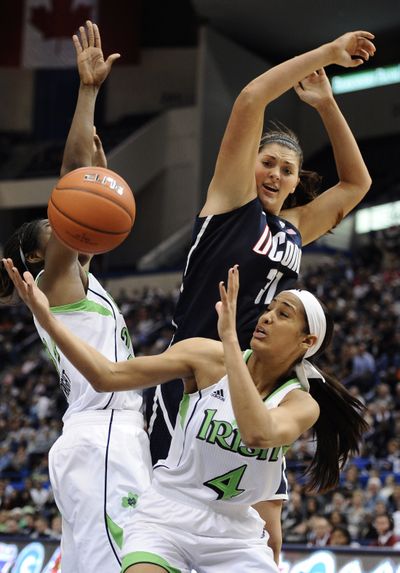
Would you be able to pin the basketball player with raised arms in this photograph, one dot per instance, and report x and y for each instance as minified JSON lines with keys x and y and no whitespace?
{"x":240,"y":412}
{"x":261,"y":208}
{"x":101,"y":463}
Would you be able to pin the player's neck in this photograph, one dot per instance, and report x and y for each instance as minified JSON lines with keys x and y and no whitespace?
{"x":266,"y":376}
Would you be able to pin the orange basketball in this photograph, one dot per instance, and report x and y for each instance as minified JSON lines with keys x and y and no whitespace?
{"x":91,"y":210}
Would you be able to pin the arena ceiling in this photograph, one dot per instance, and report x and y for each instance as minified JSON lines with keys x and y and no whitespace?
{"x":278,"y":29}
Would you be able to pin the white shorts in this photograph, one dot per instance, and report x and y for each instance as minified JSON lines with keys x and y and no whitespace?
{"x":180,"y":537}
{"x":98,"y":467}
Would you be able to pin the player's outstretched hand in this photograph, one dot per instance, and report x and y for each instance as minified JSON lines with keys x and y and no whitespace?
{"x":353,"y":49}
{"x":93,"y":70}
{"x":315,"y":89}
{"x":29,"y":292}
{"x":226,"y":307}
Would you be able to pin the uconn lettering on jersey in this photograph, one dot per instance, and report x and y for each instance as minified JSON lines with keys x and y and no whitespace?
{"x":279,"y":250}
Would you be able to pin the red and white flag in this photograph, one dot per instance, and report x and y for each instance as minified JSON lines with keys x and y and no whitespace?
{"x":47,"y":31}
{"x":38,"y":33}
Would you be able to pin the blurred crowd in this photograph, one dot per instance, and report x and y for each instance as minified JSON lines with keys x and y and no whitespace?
{"x":362,"y":292}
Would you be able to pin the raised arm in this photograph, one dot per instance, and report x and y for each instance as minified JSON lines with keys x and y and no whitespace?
{"x":328,"y":209}
{"x":81,"y":145}
{"x":64,"y":280}
{"x":259,"y":427}
{"x":104,"y":375}
{"x":233,"y":183}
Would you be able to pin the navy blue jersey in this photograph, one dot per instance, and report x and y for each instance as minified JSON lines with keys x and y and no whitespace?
{"x":268,"y":251}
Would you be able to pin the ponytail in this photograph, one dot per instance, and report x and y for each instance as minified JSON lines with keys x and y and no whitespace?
{"x":340,"y":425}
{"x":338,"y":432}
{"x":307,"y":189}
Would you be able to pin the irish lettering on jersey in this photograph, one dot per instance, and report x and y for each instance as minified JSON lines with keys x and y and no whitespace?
{"x":226,"y":436}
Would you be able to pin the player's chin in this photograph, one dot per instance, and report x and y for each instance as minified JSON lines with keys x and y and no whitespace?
{"x":269,"y":204}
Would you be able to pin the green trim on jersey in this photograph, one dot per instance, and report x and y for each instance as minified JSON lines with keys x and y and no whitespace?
{"x":246,"y":354}
{"x":138,"y":557}
{"x":290,"y":382}
{"x":116,"y":531}
{"x":83,"y":305}
{"x":183,"y":408}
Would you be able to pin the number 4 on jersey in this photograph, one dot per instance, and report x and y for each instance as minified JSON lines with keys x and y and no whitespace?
{"x":226,"y":486}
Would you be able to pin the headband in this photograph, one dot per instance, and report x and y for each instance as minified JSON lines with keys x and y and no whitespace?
{"x":317,"y":324}
{"x":282,"y":139}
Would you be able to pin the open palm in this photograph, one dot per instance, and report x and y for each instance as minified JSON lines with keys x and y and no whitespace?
{"x":92,"y":67}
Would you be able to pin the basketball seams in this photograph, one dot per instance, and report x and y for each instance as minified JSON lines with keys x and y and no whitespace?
{"x":92,"y":210}
{"x":99,"y":193}
{"x":85,"y":225}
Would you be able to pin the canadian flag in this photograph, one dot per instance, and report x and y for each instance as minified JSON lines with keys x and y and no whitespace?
{"x":38,"y":32}
{"x":46,"y":41}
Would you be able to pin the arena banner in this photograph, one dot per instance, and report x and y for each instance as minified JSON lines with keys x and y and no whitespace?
{"x":29,"y":557}
{"x":346,"y":560}
{"x":44,"y":557}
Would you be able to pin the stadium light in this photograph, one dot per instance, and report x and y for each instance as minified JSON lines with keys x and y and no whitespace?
{"x":378,"y":217}
{"x":366,"y":79}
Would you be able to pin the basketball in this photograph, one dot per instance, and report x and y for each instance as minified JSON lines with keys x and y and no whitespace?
{"x":91,"y":210}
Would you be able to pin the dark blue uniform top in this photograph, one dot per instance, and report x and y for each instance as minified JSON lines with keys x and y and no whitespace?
{"x":268,"y":252}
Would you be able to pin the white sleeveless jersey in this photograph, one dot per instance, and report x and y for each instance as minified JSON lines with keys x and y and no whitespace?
{"x":97,"y":320}
{"x":207,"y":460}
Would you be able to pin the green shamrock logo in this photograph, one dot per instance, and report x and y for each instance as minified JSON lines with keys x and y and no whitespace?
{"x":130,"y":500}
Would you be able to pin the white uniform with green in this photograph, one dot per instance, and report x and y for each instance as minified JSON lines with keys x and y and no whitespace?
{"x":206,"y":487}
{"x":101,"y":462}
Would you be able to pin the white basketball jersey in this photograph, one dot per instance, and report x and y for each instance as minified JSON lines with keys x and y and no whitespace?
{"x":208,"y":461}
{"x":97,"y":320}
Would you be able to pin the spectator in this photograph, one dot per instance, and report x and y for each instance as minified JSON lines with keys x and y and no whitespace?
{"x":340,"y":535}
{"x":385,"y":535}
{"x":320,"y":531}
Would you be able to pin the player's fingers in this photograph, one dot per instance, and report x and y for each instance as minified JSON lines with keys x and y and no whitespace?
{"x":8,"y":265}
{"x":369,"y":47}
{"x":356,"y":62}
{"x":97,"y":142}
{"x":111,"y":59}
{"x":222,"y":291}
{"x":97,"y":37}
{"x":321,"y":72}
{"x":28,"y":278}
{"x":77,"y":44}
{"x":84,"y":40}
{"x":365,"y":34}
{"x":363,"y":54}
{"x":90,"y":33}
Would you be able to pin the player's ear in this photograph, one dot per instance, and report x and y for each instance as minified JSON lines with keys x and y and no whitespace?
{"x":35,"y":256}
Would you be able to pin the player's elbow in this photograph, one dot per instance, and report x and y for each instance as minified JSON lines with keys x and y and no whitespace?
{"x":254,"y":439}
{"x":102,"y":382}
{"x":98,"y":384}
{"x":249,"y":98}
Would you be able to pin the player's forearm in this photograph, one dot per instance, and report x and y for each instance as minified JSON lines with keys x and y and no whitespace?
{"x":107,"y":376}
{"x":279,"y":79}
{"x":350,"y":165}
{"x":79,"y":144}
{"x":97,"y":369}
{"x":252,"y":418}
